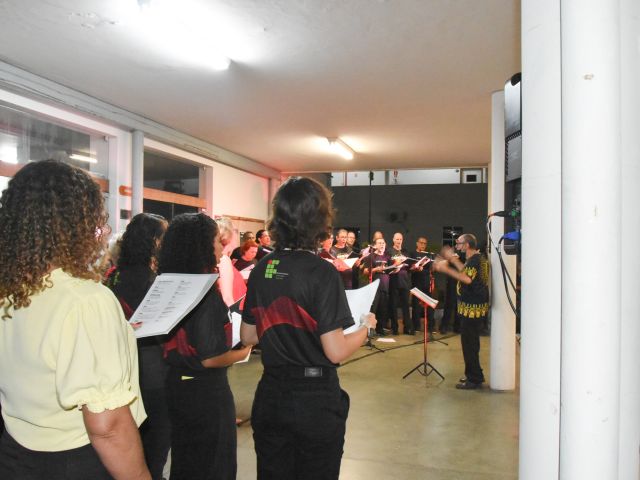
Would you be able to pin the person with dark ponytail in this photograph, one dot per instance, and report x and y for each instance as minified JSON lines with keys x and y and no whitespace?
{"x":297,"y":307}
{"x":201,"y":408}
{"x":130,"y":280}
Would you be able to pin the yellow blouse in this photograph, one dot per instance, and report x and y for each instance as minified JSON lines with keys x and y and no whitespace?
{"x":70,"y":348}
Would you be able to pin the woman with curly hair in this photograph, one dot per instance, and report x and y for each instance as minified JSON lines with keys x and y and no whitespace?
{"x":68,"y":366}
{"x":130,"y":280}
{"x":203,"y":437}
{"x":297,"y":308}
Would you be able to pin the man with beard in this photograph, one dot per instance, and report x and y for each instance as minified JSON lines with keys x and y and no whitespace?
{"x":473,"y":302}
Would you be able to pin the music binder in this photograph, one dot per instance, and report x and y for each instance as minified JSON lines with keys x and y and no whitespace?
{"x":171,"y":297}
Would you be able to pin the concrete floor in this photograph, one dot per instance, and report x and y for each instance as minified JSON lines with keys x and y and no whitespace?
{"x":417,"y":428}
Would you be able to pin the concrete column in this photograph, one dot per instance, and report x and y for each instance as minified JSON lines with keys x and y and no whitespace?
{"x":591,"y":204}
{"x":629,"y":442}
{"x":503,"y":320}
{"x":137,"y":171}
{"x":206,"y":189}
{"x":540,"y":308}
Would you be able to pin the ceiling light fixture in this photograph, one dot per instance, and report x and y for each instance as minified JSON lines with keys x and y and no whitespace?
{"x":182,"y":30}
{"x":338,"y":147}
{"x":82,"y":158}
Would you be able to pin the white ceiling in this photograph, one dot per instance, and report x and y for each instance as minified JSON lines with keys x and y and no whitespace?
{"x":407,"y":83}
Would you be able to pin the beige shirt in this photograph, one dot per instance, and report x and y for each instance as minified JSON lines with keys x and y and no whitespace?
{"x":71,"y":347}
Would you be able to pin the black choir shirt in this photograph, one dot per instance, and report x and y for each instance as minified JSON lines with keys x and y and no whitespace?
{"x":400,"y":279}
{"x":293,"y":298}
{"x":376,"y":260}
{"x":130,"y":285}
{"x":473,"y":299}
{"x":204,"y":333}
{"x":422,"y":279}
{"x":346,"y":275}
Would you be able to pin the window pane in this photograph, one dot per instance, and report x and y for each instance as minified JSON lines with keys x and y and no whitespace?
{"x":25,"y":137}
{"x":166,"y":209}
{"x":165,"y":173}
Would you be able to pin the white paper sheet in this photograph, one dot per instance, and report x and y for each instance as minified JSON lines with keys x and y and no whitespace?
{"x":236,"y":320}
{"x":171,"y":297}
{"x":432,"y":302}
{"x":360,"y":301}
{"x":350,"y":261}
{"x":245,"y":272}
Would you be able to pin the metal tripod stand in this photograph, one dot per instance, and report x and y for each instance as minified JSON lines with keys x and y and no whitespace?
{"x":424,"y":368}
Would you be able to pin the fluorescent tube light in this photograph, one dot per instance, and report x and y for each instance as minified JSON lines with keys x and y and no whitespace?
{"x":82,"y":158}
{"x":338,"y":147}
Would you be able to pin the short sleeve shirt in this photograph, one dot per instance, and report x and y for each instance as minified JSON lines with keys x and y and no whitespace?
{"x":202,"y":334}
{"x":421,"y":279}
{"x":400,"y":279}
{"x":293,"y":298}
{"x":473,"y":299}
{"x":374,"y":260}
{"x":72,"y":347}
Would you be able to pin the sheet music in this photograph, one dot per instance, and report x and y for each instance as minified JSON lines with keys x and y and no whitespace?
{"x":236,"y":320}
{"x":245,"y":272}
{"x":432,"y":302}
{"x":171,"y":297}
{"x":360,"y":301}
{"x":423,"y":261}
{"x":350,"y":261}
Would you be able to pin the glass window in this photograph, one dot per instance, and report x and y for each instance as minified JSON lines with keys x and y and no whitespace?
{"x":165,"y":173}
{"x":25,"y":137}
{"x":170,"y":185}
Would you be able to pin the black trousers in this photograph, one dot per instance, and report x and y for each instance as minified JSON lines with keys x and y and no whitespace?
{"x":399,"y":297}
{"x":156,"y":430}
{"x":299,"y":425}
{"x":470,"y":339}
{"x":381,"y":309}
{"x":20,"y":463}
{"x":203,"y":421}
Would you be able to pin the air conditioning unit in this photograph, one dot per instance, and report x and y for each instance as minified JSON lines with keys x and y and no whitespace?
{"x":471,"y":175}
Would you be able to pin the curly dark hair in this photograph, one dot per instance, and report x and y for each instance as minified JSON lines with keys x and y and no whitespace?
{"x":187,"y":246}
{"x":302,"y":214}
{"x":139,"y":244}
{"x":51,"y":216}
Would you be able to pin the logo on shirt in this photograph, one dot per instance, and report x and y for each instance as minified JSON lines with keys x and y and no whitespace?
{"x":272,"y":270}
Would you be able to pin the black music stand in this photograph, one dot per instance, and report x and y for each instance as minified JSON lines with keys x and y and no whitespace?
{"x":369,"y":335}
{"x":424,"y":368}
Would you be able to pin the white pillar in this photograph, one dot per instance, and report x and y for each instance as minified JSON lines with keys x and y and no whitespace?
{"x":206,"y":189}
{"x":137,"y":172}
{"x":540,"y":307}
{"x":503,"y":320}
{"x":591,"y":204}
{"x":629,"y":443}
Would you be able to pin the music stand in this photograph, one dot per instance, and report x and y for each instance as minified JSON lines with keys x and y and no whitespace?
{"x":369,"y":336}
{"x":424,"y":368}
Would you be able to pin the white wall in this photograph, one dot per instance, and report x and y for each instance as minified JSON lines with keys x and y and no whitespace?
{"x":239,"y":193}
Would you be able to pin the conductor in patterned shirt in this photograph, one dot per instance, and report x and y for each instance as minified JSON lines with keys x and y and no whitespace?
{"x":473,"y":302}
